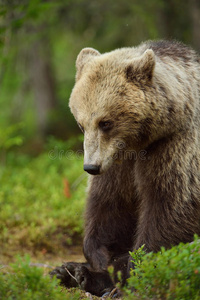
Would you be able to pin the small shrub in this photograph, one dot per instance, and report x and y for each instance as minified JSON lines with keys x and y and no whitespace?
{"x":169,"y":274}
{"x":25,"y":282}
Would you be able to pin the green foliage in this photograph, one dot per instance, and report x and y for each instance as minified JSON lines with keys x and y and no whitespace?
{"x":60,"y":29}
{"x":169,"y":274}
{"x":61,"y":147}
{"x":42,"y":199}
{"x":25,"y":282}
{"x":10,"y":137}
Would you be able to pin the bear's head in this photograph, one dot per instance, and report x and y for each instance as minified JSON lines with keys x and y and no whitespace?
{"x":112,"y":102}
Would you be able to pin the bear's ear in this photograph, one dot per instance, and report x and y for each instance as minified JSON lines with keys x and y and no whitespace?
{"x":86,"y":55}
{"x":141,"y":69}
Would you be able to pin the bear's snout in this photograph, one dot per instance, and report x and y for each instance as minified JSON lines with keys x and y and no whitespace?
{"x":92,"y":169}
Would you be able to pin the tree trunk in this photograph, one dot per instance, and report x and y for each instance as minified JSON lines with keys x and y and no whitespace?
{"x":195,"y":20}
{"x":43,"y":84}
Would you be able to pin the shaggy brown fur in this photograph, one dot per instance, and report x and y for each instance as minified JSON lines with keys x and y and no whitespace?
{"x":139,"y":108}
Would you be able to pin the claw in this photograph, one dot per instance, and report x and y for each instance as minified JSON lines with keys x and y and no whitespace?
{"x":105,"y":295}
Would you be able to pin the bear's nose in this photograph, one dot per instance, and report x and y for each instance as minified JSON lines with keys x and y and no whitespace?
{"x":92,"y":169}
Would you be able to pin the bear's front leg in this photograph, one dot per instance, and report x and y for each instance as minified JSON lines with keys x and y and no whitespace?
{"x":111,"y":217}
{"x":95,"y":253}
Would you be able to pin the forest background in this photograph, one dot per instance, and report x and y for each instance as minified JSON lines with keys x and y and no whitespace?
{"x":40,"y":40}
{"x":42,"y":182}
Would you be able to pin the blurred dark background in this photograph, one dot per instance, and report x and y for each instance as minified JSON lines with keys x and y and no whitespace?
{"x":39,"y":43}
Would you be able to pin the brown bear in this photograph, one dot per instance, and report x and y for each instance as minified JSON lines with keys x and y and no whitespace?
{"x":139,"y":109}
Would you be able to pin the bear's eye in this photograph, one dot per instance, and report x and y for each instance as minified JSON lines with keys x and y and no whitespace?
{"x":105,"y":125}
{"x":81,"y":127}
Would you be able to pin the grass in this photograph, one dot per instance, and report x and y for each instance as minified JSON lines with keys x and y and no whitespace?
{"x":25,"y":282}
{"x":42,"y":202}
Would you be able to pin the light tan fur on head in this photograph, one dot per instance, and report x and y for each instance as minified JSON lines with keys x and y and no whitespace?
{"x":129,"y":88}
